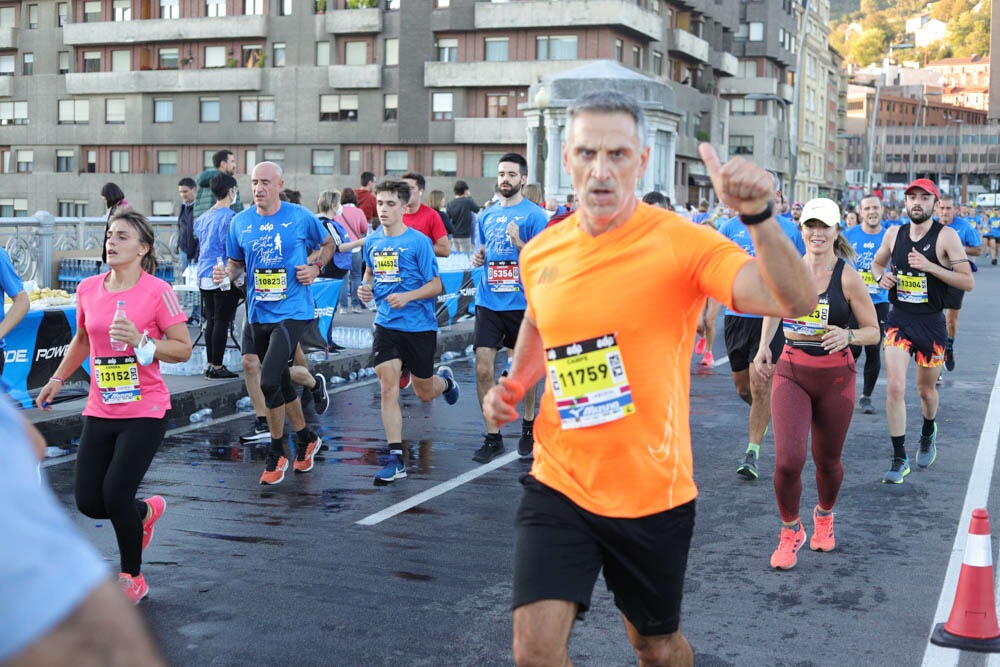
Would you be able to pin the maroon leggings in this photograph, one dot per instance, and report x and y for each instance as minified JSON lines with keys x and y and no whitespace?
{"x":817,"y":393}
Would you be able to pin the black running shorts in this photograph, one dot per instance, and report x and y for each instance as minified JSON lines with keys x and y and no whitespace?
{"x":560,"y":549}
{"x":924,"y":336}
{"x":497,"y":328}
{"x":743,"y":339}
{"x":414,"y":348}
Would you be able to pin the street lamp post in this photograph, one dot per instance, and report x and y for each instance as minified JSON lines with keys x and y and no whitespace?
{"x":542,"y":102}
{"x":793,"y":155}
{"x":956,"y":189}
{"x":878,"y":92}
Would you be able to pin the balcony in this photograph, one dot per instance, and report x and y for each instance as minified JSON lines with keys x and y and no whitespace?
{"x":752,"y":85}
{"x":165,"y":81}
{"x":724,"y":63}
{"x":8,"y":38}
{"x":353,"y":21}
{"x":490,"y":130}
{"x":681,"y":42}
{"x":164,"y":30}
{"x":527,"y":15}
{"x":479,"y":74}
{"x":355,"y":76}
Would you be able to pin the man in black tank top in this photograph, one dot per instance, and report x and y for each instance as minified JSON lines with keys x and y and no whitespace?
{"x":917,"y":263}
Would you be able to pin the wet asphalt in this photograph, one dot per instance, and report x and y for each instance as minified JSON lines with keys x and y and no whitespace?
{"x":243,"y":574}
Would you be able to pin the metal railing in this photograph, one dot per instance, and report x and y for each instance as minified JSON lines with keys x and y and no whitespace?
{"x":33,"y":241}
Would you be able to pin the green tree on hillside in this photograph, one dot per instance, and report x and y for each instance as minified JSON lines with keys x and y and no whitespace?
{"x":969,"y":34}
{"x":869,"y":47}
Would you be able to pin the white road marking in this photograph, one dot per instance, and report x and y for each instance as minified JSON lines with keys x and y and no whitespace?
{"x":977,"y":495}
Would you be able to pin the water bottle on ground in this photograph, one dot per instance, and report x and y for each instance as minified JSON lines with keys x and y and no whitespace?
{"x":469,"y":349}
{"x":336,"y":379}
{"x":119,"y":345}
{"x":244,"y":405}
{"x":352,"y":376}
{"x":226,"y":283}
{"x":202,"y":415}
{"x":448,"y":356}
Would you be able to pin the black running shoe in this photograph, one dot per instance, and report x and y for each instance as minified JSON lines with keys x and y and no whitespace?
{"x":949,"y":359}
{"x":526,"y":444}
{"x":321,"y":397}
{"x":492,"y":448}
{"x":257,"y":433}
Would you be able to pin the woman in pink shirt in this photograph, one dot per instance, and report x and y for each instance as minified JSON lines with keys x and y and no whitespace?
{"x":123,"y":422}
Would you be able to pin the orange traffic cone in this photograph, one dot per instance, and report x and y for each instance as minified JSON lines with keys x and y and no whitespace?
{"x":972,"y":625}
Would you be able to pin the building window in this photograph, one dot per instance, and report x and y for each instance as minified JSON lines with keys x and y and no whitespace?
{"x":252,"y":54}
{"x":114,"y":110}
{"x":322,"y":54}
{"x":166,"y":162}
{"x":215,"y":8}
{"x":27,"y":64}
{"x":497,"y":49}
{"x":119,"y":162}
{"x":619,"y":50}
{"x":756,"y":32}
{"x":497,"y":105}
{"x":64,"y":62}
{"x":338,"y":107}
{"x":286,"y":8}
{"x":62,"y":13}
{"x":396,"y":162}
{"x":163,"y":110}
{"x":657,"y":63}
{"x":65,"y":160}
{"x":441,"y":106}
{"x":741,"y":107}
{"x":121,"y":10}
{"x":91,"y":162}
{"x":92,"y":11}
{"x":13,"y":208}
{"x":278,"y":54}
{"x":636,"y":57}
{"x":556,"y":47}
{"x":393,"y":4}
{"x":249,"y":161}
{"x":170,"y":9}
{"x":7,"y":65}
{"x":215,"y":56}
{"x":25,"y":161}
{"x":491,"y":164}
{"x":441,"y":4}
{"x":74,"y":112}
{"x":71,"y":208}
{"x":13,"y":113}
{"x":353,"y":162}
{"x":447,"y":50}
{"x":356,"y":53}
{"x":322,"y":162}
{"x":444,"y":163}
{"x":91,"y":61}
{"x":740,"y":145}
{"x":391,"y":106}
{"x":210,"y":112}
{"x":167,"y":59}
{"x":391,"y":52}
{"x":8,"y":17}
{"x":661,"y":168}
{"x":253,"y":7}
{"x":256,"y":109}
{"x":121,"y":61}
{"x":32,"y":17}
{"x":275,"y":155}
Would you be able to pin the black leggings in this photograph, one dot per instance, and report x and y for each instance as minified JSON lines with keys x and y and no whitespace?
{"x":113,"y":457}
{"x":275,"y":344}
{"x":873,"y":353}
{"x":218,"y":312}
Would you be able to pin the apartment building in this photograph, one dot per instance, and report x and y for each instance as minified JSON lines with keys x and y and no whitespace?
{"x":144,"y":92}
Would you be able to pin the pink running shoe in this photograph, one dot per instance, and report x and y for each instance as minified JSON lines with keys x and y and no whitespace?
{"x":156,"y":505}
{"x":822,"y":539}
{"x":790,"y":542}
{"x":708,"y":359}
{"x":134,"y":588}
{"x":700,"y":344}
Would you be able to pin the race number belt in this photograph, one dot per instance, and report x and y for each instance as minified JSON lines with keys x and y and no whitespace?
{"x":503,"y":275}
{"x":386,"y":266}
{"x":911,"y":289}
{"x":270,"y":284}
{"x":589,"y":382}
{"x":870,"y":282}
{"x":813,"y":324}
{"x":118,"y":379}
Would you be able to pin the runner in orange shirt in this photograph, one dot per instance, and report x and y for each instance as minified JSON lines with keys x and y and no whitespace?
{"x":614,"y":294}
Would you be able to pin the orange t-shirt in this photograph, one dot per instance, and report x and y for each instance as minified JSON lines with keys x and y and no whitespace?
{"x":617,"y":315}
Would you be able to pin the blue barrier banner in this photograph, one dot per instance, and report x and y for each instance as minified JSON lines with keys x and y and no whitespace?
{"x":457,"y":300}
{"x":326,"y":294}
{"x":34,"y":350}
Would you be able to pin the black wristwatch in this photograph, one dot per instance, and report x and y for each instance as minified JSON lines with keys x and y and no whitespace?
{"x":758,"y":218}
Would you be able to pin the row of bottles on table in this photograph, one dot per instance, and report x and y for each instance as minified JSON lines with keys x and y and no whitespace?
{"x":355,"y":338}
{"x":456,"y":261}
{"x":74,"y":269}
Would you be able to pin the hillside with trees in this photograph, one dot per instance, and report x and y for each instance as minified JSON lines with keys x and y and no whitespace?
{"x":883,"y":22}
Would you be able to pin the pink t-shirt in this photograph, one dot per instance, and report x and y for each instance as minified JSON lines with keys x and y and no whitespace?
{"x":119,"y":387}
{"x":353,"y":220}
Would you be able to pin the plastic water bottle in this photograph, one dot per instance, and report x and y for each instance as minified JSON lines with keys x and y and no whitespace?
{"x":337,"y":379}
{"x":469,"y":349}
{"x":202,"y":415}
{"x":449,"y":355}
{"x":371,"y":305}
{"x":225,"y":284}
{"x":119,"y":345}
{"x":352,"y":376}
{"x":244,"y":404}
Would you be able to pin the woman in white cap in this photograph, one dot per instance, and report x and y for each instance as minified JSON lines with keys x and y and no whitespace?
{"x":814,"y":380}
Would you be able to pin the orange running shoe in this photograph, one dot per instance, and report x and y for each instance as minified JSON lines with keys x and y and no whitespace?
{"x":156,"y":506}
{"x":791,"y":541}
{"x":305,"y":463}
{"x":822,"y":539}
{"x":134,"y":588}
{"x":274,"y":473}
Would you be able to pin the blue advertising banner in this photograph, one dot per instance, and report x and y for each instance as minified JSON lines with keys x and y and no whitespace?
{"x":326,"y":293}
{"x":35,"y":348}
{"x":457,"y":300}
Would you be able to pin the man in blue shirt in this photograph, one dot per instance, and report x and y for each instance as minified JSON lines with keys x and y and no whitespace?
{"x":11,"y":285}
{"x":866,"y":238}
{"x":742,"y":331}
{"x":973,"y":248}
{"x":993,"y":234}
{"x":271,"y":241}
{"x":401,"y":274}
{"x":500,"y":302}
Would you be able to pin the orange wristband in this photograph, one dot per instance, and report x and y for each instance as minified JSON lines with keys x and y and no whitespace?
{"x":513,"y":385}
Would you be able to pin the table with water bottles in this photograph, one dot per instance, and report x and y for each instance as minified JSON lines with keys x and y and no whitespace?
{"x":72,"y":270}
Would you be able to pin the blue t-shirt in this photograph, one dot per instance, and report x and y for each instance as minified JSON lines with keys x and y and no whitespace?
{"x":272,"y":246}
{"x":499,"y":284}
{"x":402,"y":264}
{"x":866,"y":245}
{"x":700,"y":217}
{"x":967,"y":232}
{"x":212,"y":230}
{"x":737,"y":232}
{"x":994,"y":227}
{"x":48,"y":566}
{"x":10,"y":282}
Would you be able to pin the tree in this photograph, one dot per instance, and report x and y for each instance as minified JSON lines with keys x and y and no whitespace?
{"x":969,"y":34}
{"x":869,"y":47}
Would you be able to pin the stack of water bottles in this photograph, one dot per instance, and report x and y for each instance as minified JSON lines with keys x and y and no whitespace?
{"x":456,"y":261}
{"x":355,"y":338}
{"x":195,"y":365}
